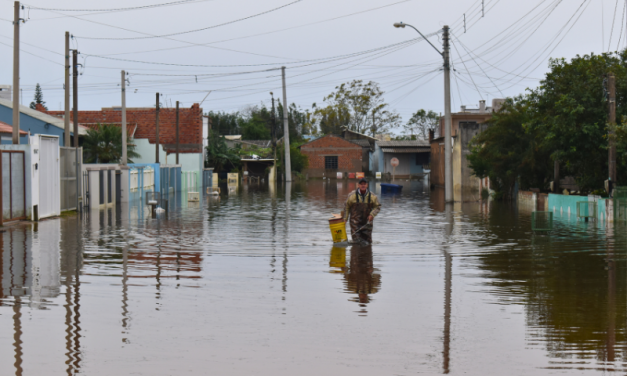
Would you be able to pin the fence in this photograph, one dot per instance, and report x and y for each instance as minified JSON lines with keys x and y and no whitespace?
{"x":68,"y":170}
{"x":189,"y":181}
{"x":13,"y":184}
{"x":136,"y":180}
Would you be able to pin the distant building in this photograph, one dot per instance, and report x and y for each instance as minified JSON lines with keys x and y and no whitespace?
{"x":465,"y":125}
{"x":367,"y":144}
{"x":5,"y":92}
{"x":331,"y":154}
{"x":413,"y":157}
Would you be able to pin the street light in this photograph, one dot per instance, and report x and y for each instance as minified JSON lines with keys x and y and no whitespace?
{"x":448,"y":168}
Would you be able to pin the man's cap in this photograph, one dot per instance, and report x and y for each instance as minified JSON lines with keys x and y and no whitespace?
{"x":363,"y":180}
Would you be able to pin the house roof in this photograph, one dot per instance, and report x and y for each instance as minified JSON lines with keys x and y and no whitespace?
{"x":344,"y":129}
{"x":403,"y":143}
{"x":260,"y":143}
{"x":363,"y":142}
{"x":330,"y":135}
{"x":48,"y":119}
{"x":406,"y":150}
{"x":6,"y":128}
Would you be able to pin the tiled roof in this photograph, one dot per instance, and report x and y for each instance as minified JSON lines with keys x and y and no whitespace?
{"x":6,"y":128}
{"x":403,"y":143}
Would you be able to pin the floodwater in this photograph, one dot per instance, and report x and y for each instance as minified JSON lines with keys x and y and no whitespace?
{"x":250,"y":284}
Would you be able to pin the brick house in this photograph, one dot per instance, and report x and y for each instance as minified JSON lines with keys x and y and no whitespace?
{"x":141,"y":124}
{"x":331,"y":154}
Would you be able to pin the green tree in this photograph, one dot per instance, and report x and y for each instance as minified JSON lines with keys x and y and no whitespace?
{"x":359,"y":106}
{"x":219,"y":155}
{"x":505,"y":151}
{"x":421,"y":123}
{"x":256,"y":128}
{"x":104,"y":145}
{"x":299,"y":161}
{"x":39,"y":98}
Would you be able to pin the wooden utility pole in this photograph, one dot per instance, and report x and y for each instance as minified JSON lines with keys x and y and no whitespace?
{"x":66,"y":118}
{"x":16,"y":74}
{"x":75,"y":94}
{"x":157,"y":132}
{"x":286,"y":132}
{"x":124,"y":155}
{"x":177,"y":132}
{"x":611,"y":85}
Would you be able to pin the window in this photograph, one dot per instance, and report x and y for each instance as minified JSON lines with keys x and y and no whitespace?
{"x":330,"y":163}
{"x":422,"y":158}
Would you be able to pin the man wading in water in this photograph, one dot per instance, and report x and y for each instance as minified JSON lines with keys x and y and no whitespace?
{"x":362,"y":206}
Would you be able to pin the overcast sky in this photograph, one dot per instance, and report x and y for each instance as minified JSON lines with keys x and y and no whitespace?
{"x":323,"y":43}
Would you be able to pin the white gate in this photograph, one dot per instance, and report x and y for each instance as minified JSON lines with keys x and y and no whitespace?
{"x":49,"y":177}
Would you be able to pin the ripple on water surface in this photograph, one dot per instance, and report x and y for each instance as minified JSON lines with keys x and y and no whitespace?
{"x":250,"y":283}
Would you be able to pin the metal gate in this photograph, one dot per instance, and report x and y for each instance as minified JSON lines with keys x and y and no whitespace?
{"x":69,"y":169}
{"x":12,"y":170}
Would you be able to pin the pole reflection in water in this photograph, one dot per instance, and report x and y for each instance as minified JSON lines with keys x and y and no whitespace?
{"x":611,"y":298}
{"x":448,"y":285}
{"x":71,"y":263}
{"x":361,"y":277}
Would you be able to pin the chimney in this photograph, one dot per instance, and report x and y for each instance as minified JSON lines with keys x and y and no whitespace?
{"x":482,"y":106}
{"x":431,"y":135}
{"x":463,"y":108}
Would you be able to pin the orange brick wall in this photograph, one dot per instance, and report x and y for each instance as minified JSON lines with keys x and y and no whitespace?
{"x":190,"y":123}
{"x":349,"y":156}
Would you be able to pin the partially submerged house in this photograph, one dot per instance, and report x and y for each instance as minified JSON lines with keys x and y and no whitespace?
{"x":331,"y":154}
{"x":412,"y":155}
{"x":465,"y":125}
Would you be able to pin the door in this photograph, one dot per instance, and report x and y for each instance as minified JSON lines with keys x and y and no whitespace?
{"x":49,"y":177}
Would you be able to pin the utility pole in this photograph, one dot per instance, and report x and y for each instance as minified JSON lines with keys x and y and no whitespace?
{"x":66,"y":119}
{"x":157,"y":132}
{"x":16,"y":74}
{"x":286,"y":132}
{"x":177,"y":132}
{"x":75,"y":94}
{"x":273,"y":136}
{"x":611,"y":83}
{"x":124,"y":155}
{"x":75,"y":102}
{"x":448,"y":167}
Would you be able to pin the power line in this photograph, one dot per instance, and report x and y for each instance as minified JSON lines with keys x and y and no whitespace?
{"x":197,"y":30}
{"x":609,"y":44}
{"x":114,"y":9}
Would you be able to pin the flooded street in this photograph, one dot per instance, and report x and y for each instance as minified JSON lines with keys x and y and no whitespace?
{"x":250,"y":284}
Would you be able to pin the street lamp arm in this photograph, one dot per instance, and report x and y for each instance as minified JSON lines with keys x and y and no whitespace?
{"x":425,"y":38}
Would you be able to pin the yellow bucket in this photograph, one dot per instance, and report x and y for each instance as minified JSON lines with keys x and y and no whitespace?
{"x":338,"y":230}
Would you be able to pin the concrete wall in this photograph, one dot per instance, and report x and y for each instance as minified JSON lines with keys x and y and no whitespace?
{"x":567,"y":206}
{"x":436,"y":176}
{"x":466,"y":186}
{"x":532,"y":201}
{"x":188,"y":161}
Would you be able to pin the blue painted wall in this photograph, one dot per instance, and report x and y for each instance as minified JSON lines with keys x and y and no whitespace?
{"x":28,"y":123}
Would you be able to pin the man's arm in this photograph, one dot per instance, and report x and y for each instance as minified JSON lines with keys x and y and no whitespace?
{"x":376,"y":207}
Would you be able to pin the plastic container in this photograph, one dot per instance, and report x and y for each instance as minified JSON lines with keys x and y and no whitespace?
{"x":360,"y":175}
{"x":391,"y":188}
{"x":338,"y":229}
{"x":351,"y":175}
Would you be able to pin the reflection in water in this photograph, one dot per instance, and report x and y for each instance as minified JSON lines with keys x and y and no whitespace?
{"x":448,"y":285}
{"x":360,"y":277}
{"x":553,"y":303}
